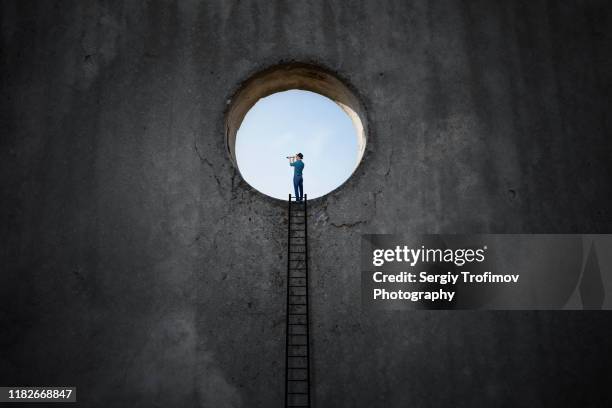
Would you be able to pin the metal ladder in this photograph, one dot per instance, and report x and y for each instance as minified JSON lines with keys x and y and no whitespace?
{"x":297,"y":356}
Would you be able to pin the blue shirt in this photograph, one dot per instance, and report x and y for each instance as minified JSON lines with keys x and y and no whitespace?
{"x":298,"y":167}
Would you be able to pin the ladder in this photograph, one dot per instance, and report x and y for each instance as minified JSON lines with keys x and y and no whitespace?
{"x":297,"y":355}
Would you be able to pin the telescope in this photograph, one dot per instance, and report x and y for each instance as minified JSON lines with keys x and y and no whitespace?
{"x":290,"y":157}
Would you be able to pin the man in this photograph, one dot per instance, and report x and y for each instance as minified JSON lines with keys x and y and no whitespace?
{"x":298,"y":181}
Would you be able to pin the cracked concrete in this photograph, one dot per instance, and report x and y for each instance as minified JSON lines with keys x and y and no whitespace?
{"x":483,"y":116}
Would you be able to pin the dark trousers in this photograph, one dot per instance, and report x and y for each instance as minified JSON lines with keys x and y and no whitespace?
{"x":298,"y":186}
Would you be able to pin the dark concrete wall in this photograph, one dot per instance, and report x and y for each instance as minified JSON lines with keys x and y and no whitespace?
{"x":139,"y":266}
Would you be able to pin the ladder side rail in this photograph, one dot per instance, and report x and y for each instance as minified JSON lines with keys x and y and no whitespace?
{"x":307,"y":302}
{"x":287,"y":318}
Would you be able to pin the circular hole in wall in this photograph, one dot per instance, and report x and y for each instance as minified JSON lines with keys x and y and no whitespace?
{"x":292,"y":109}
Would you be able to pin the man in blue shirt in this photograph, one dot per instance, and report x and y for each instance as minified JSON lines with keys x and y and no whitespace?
{"x":298,"y":181}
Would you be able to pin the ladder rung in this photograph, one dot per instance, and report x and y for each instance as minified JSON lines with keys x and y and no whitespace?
{"x":297,"y":330}
{"x":297,"y":297}
{"x":302,"y":320}
{"x":298,"y":363}
{"x":297,"y":282}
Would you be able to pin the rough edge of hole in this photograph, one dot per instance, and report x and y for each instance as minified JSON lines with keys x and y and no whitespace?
{"x":294,"y":75}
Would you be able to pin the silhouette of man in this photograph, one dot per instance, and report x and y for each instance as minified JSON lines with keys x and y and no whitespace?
{"x":298,"y":181}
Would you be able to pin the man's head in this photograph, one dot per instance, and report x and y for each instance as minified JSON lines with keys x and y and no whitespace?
{"x":300,"y":156}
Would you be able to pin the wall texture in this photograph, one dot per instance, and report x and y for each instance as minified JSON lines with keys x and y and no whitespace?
{"x":140,"y":267}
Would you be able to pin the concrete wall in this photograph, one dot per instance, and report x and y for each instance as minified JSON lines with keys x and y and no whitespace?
{"x":138,"y":266}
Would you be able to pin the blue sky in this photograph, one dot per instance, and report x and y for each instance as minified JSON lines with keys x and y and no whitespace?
{"x":289,"y":122}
